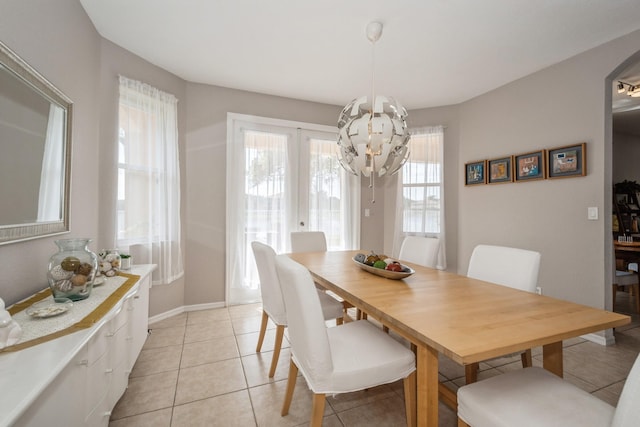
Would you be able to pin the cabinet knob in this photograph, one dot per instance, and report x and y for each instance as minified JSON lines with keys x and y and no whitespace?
{"x":84,"y":362}
{"x":108,"y":371}
{"x":136,"y":297}
{"x":107,"y":414}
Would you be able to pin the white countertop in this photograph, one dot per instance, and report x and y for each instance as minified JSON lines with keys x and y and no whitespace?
{"x":25,"y":374}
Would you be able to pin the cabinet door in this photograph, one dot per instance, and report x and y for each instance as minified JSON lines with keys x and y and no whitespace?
{"x":139,"y":323}
{"x":63,"y":402}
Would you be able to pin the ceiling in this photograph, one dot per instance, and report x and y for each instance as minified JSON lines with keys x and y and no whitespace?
{"x":432,"y":52}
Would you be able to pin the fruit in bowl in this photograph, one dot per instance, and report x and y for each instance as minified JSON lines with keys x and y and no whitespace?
{"x":380,"y":264}
{"x":395,"y":266}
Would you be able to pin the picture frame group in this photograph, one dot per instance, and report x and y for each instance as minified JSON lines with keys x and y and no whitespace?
{"x":561,"y":162}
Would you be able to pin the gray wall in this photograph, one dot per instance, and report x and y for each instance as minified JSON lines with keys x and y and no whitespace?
{"x":563,"y":104}
{"x":59,"y":41}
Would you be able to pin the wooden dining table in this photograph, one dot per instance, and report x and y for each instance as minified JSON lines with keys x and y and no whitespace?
{"x":465,"y":319}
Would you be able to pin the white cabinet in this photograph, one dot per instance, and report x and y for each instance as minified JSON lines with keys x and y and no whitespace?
{"x":77,"y":379}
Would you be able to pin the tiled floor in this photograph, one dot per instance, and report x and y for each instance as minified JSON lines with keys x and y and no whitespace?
{"x":201,"y":369}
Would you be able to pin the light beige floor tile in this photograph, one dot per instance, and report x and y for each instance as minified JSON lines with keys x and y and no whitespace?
{"x":247,"y":342}
{"x":227,"y":410}
{"x":245,"y":310}
{"x":171,"y":322}
{"x":267,"y":403}
{"x":146,"y":394}
{"x":155,"y":360}
{"x":257,"y":365}
{"x":597,"y":364}
{"x":610,"y":394}
{"x":245,"y":325}
{"x":207,"y":331}
{"x":215,"y":390}
{"x":208,"y":316}
{"x":346,"y":401}
{"x":202,"y":352}
{"x":164,"y":337}
{"x":161,"y":418}
{"x":387,"y":412}
{"x":212,"y":379}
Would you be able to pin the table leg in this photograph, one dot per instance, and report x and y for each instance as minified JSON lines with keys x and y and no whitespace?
{"x":552,"y":358}
{"x":427,"y":373}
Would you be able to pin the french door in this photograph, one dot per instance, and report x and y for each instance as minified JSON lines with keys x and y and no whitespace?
{"x":283,"y":176}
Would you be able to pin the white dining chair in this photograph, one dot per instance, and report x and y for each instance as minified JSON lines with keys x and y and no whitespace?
{"x":308,"y":241}
{"x":420,"y":250}
{"x":535,"y":397}
{"x":512,"y":267}
{"x":273,"y":304}
{"x":316,"y":241}
{"x":352,"y":357}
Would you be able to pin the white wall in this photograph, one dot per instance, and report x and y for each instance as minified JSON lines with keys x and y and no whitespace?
{"x":562,"y":105}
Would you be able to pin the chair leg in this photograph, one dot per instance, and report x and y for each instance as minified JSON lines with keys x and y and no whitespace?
{"x":263,"y":329}
{"x":527,"y":359}
{"x":471,"y":372}
{"x":462,"y":423}
{"x":317,"y":410}
{"x":385,"y":329}
{"x":291,"y":385}
{"x":410,"y":403}
{"x":276,"y":350}
{"x":339,"y":321}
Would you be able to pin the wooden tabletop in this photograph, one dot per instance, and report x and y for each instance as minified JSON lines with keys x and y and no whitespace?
{"x":467,"y":320}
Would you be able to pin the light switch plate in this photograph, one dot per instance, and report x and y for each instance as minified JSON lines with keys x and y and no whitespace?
{"x":592,"y":213}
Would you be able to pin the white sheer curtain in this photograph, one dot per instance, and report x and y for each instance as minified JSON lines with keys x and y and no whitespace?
{"x":148,"y":206}
{"x":334,"y":195}
{"x":52,"y":176}
{"x":281,"y":175}
{"x":420,"y":191}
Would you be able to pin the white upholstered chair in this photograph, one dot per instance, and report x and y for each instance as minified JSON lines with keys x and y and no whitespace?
{"x":352,"y":357}
{"x":273,"y":304}
{"x":535,"y":397}
{"x":627,"y":280}
{"x":420,"y":250}
{"x":308,"y":241}
{"x":315,"y":241}
{"x":512,"y":267}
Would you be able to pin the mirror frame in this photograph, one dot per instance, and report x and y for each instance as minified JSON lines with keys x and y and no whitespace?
{"x":11,"y":233}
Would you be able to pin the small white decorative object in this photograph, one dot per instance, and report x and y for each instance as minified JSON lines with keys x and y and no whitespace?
{"x":10,"y":331}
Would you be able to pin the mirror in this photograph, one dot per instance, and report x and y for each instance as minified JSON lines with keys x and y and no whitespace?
{"x":35,"y":153}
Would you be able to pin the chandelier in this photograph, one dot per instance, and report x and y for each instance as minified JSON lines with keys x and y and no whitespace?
{"x":373,"y":136}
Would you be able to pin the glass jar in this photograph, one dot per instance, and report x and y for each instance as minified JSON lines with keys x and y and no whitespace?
{"x":110,"y":262}
{"x":72,"y":269}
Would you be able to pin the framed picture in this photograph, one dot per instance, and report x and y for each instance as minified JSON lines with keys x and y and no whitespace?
{"x":475,"y":172}
{"x":567,"y":161}
{"x":529,"y":166}
{"x":500,"y":170}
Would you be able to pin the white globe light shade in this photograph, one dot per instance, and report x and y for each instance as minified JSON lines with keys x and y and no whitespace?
{"x":373,"y":139}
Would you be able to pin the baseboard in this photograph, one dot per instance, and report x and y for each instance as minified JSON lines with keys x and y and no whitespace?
{"x":184,"y":309}
{"x":606,"y":339}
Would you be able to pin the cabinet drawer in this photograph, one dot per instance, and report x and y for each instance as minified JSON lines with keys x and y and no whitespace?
{"x":97,"y":345}
{"x":99,"y":376}
{"x":100,"y":414}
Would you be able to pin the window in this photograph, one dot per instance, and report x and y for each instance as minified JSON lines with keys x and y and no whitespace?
{"x":148,"y":195}
{"x":420,"y":205}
